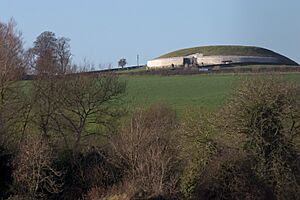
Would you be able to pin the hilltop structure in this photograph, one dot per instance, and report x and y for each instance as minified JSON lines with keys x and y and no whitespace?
{"x":219,"y":55}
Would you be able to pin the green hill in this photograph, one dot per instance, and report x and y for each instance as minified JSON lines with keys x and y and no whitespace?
{"x":186,"y":91}
{"x":230,"y":50}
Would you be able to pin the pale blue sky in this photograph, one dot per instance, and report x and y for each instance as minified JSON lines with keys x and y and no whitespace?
{"x":103,"y":31}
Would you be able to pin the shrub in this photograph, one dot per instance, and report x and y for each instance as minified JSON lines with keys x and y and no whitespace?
{"x":196,"y":133}
{"x":98,"y":193}
{"x":90,"y":169}
{"x":17,"y":197}
{"x":116,"y":197}
{"x":149,"y":151}
{"x":233,"y":179}
{"x":34,"y":176}
{"x":265,"y":111}
{"x":205,"y":151}
{"x":5,"y":171}
{"x":249,"y":149}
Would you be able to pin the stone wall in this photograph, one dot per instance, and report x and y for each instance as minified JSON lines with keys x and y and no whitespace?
{"x":165,"y":62}
{"x":217,"y":60}
{"x":211,"y":60}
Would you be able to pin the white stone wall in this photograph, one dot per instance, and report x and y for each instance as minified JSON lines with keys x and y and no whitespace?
{"x":216,"y":60}
{"x":211,"y":60}
{"x":165,"y":62}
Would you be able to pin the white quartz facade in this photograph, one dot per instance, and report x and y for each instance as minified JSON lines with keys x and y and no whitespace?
{"x":210,"y":60}
{"x":166,"y":62}
{"x":218,"y":60}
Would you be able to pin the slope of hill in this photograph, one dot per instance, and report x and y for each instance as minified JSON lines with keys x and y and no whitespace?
{"x":230,"y":50}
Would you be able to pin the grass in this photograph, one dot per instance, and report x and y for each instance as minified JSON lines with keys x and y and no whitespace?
{"x":125,"y":71}
{"x":229,"y":50}
{"x":180,"y":92}
{"x":192,"y":92}
{"x":208,"y":91}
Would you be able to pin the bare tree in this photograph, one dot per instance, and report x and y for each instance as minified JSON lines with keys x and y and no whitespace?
{"x":45,"y":54}
{"x":11,"y":58}
{"x":149,"y":150}
{"x":64,"y":55}
{"x":34,"y":177}
{"x":12,"y":67}
{"x":88,"y":101}
{"x":45,"y":103}
{"x":51,"y":60}
{"x":51,"y":55}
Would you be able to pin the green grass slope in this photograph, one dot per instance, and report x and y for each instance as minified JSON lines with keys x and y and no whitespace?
{"x":203,"y":91}
{"x":230,"y":50}
{"x":180,"y":92}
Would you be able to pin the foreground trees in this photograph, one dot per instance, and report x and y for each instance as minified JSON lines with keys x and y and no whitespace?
{"x":250,"y":148}
{"x":50,"y":55}
{"x":85,"y":102}
{"x":149,"y":150}
{"x":13,"y":108}
{"x":12,"y":68}
{"x":57,"y":112}
{"x":11,"y":55}
{"x":250,"y":152}
{"x":266,"y":112}
{"x":34,"y":176}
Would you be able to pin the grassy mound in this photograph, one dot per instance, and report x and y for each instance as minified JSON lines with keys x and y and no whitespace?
{"x":230,"y":51}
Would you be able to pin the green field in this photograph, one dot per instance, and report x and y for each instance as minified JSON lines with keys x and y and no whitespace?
{"x":203,"y":91}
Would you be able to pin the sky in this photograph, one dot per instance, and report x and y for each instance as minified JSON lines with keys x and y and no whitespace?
{"x":104,"y":31}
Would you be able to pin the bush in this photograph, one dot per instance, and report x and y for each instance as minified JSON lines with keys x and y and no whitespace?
{"x":90,"y":169}
{"x":5,"y":171}
{"x":197,"y":136}
{"x":265,"y":112}
{"x":206,"y":152}
{"x":249,"y":149}
{"x":149,"y":150}
{"x":233,"y":179}
{"x":34,"y":176}
{"x":17,"y":197}
{"x":98,"y":193}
